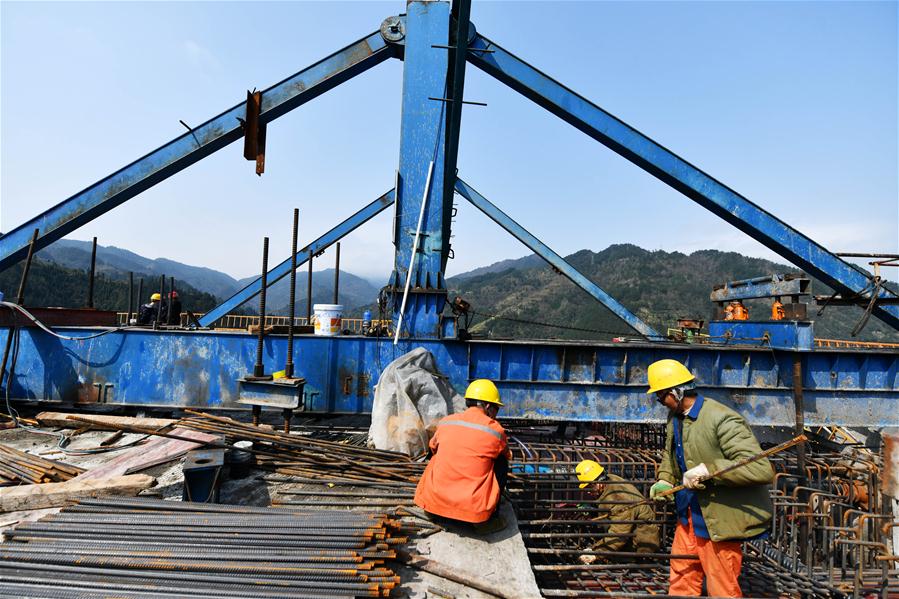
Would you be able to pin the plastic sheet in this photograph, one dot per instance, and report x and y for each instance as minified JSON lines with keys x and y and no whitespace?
{"x":410,"y":398}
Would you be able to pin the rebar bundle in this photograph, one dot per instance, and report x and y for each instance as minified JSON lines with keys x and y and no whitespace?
{"x":18,"y":467}
{"x":305,"y":456}
{"x":153,"y":548}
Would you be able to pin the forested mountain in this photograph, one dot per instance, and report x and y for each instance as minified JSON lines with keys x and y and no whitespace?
{"x":511,"y":298}
{"x":114,"y":261}
{"x":354,"y":291}
{"x":50,"y":284}
{"x":657,"y":286}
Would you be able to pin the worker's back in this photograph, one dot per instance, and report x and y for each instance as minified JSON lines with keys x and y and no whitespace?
{"x":635,"y":528}
{"x":459,"y":482}
{"x":147,"y":313}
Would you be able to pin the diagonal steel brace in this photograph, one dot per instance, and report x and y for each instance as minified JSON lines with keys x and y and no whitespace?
{"x":555,"y":260}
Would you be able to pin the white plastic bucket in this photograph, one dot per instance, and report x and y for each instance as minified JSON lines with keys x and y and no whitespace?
{"x":327,"y":319}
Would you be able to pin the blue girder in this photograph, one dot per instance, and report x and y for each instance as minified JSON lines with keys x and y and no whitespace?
{"x":203,"y":140}
{"x":549,"y":380}
{"x":421,"y":173}
{"x":660,"y":162}
{"x":761,"y":287}
{"x":542,"y":250}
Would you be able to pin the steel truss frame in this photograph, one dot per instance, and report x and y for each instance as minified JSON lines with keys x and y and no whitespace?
{"x":435,"y":40}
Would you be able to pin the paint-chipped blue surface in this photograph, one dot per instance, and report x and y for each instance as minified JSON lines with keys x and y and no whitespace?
{"x":782,"y":334}
{"x":422,"y":140}
{"x":538,"y":380}
{"x":759,"y":287}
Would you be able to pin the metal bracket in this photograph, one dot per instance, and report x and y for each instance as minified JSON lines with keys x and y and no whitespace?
{"x":202,"y":475}
{"x":254,"y":132}
{"x":393,"y":29}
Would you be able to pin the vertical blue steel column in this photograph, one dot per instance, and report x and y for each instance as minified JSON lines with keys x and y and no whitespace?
{"x":422,"y":140}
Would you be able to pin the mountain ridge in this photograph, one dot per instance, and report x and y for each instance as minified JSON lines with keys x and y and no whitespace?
{"x":657,"y":286}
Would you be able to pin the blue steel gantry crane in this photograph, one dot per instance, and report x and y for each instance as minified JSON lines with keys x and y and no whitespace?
{"x":772,"y":382}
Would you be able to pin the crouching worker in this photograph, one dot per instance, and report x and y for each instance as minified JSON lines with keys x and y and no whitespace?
{"x":632,"y":524}
{"x":470,"y":462}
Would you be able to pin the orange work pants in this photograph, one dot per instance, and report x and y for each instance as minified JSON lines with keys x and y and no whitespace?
{"x":719,"y":562}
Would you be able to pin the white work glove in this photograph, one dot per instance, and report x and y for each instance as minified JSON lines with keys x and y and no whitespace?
{"x":694,"y":476}
{"x":587,"y":559}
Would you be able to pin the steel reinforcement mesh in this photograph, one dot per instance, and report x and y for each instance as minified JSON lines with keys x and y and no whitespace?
{"x":828,"y":536}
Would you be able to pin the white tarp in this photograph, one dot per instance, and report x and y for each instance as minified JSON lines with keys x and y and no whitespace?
{"x":410,"y":398}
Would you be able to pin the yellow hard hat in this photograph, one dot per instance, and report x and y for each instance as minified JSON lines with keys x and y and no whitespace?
{"x":666,"y":374}
{"x":588,"y":471}
{"x":483,"y":390}
{"x":155,"y":297}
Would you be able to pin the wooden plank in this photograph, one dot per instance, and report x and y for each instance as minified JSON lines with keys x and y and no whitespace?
{"x":32,"y":497}
{"x":155,"y":451}
{"x":61,"y":419}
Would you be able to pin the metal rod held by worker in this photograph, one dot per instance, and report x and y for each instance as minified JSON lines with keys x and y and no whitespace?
{"x":309,"y":292}
{"x":288,"y":367}
{"x":93,"y":272}
{"x":337,"y":275}
{"x":258,"y":369}
{"x":421,"y":216}
{"x":130,"y":296}
{"x":739,"y":464}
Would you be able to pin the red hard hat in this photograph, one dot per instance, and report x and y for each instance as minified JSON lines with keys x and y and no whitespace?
{"x":173,"y":294}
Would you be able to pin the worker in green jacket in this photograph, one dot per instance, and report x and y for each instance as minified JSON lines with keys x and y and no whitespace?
{"x":716,"y":515}
{"x":632,"y":524}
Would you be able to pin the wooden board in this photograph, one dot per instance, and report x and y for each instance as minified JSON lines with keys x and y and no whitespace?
{"x":61,"y":420}
{"x":32,"y":497}
{"x":155,"y":451}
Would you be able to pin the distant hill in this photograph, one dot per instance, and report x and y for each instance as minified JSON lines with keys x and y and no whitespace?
{"x":657,"y":286}
{"x":115,"y":263}
{"x":524,"y":263}
{"x":50,"y":284}
{"x":354,"y":292}
{"x":77,"y":254}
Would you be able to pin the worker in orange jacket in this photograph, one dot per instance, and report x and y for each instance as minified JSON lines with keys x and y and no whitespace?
{"x":464,"y":478}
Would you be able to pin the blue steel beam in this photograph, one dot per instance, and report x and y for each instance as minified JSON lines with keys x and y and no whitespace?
{"x":422,"y":141}
{"x":760,"y":287}
{"x":283,"y":269}
{"x":191,"y":147}
{"x":538,"y":380}
{"x":660,"y":162}
{"x":555,"y":260}
{"x":461,"y":16}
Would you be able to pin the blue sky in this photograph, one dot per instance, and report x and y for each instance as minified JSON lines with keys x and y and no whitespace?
{"x":793,"y":104}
